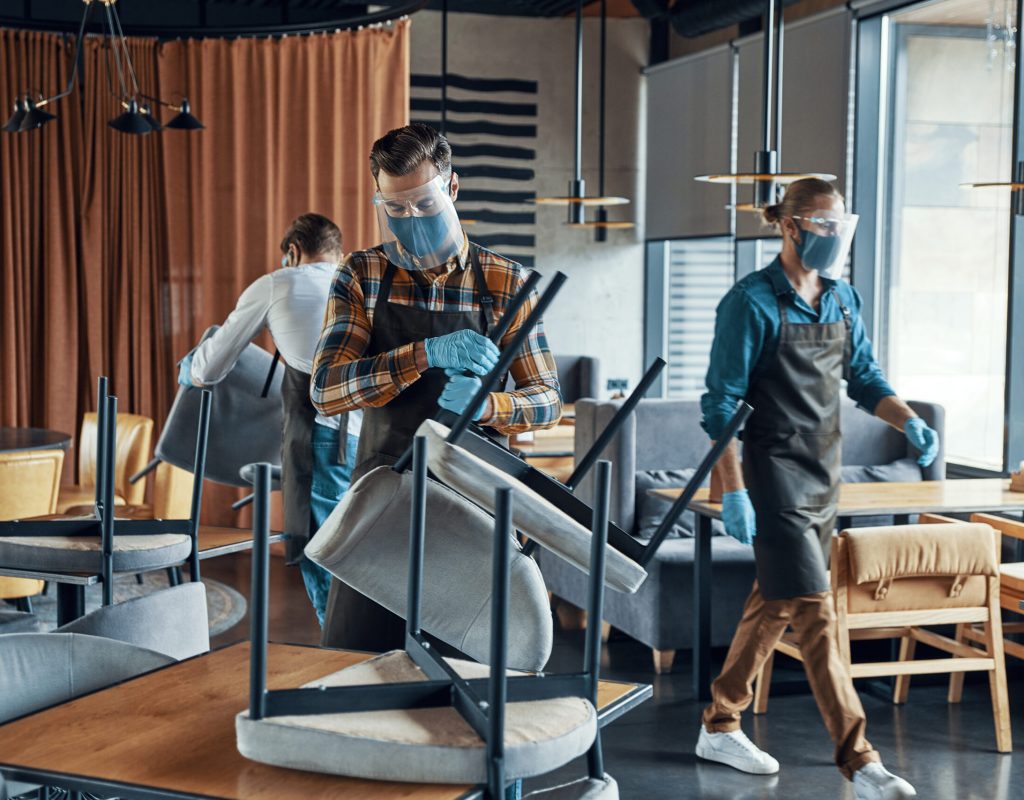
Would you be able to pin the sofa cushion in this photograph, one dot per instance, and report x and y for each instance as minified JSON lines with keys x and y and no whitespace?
{"x":652,"y":508}
{"x":903,"y":470}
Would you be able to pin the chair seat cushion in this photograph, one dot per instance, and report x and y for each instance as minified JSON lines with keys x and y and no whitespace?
{"x":586,"y":789}
{"x":365,"y":543}
{"x":532,"y":514}
{"x":75,"y":495}
{"x":433,"y":745}
{"x":248,"y":474}
{"x":1011,"y":576}
{"x":82,"y":553}
{"x":910,"y":551}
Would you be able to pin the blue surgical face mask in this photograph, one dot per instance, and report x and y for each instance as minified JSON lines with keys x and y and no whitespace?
{"x":817,"y":252}
{"x":421,"y":236}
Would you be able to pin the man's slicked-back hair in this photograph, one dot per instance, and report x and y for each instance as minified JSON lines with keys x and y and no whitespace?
{"x":402,"y":150}
{"x":312,"y":234}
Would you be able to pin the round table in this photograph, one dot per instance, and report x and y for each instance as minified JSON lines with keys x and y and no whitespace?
{"x":12,"y":439}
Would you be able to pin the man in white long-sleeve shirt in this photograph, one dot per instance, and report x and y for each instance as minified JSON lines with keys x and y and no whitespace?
{"x":317,"y":452}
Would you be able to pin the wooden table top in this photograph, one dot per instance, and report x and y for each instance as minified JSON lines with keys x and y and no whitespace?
{"x":870,"y":499}
{"x":559,"y":441}
{"x":214,"y":541}
{"x":12,"y":439}
{"x":174,"y":730}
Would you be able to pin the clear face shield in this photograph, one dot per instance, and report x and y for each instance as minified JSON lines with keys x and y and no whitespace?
{"x":419,"y":227}
{"x":825,"y":239}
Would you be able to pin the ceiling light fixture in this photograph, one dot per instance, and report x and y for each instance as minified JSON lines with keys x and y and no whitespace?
{"x":766,"y":176}
{"x":577,"y":199}
{"x":137,"y":117}
{"x":602,"y":225}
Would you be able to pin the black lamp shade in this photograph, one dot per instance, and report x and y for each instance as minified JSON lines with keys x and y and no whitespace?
{"x":13,"y":124}
{"x":184,"y":121}
{"x":132,"y":121}
{"x":154,"y":123}
{"x":34,"y":117}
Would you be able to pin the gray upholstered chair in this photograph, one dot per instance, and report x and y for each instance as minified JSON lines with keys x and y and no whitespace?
{"x":578,"y":376}
{"x":663,"y":436}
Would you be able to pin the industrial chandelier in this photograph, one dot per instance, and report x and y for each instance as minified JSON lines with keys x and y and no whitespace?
{"x":767,"y":177}
{"x":138,"y":116}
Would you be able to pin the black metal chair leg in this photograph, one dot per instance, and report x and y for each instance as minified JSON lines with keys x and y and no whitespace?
{"x":138,"y":578}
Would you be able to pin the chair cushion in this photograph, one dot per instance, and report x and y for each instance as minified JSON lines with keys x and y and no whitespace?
{"x":75,"y":495}
{"x":365,"y":543}
{"x":248,"y":474}
{"x":43,"y":669}
{"x":433,"y":745}
{"x":585,"y":789}
{"x":908,"y":551}
{"x":82,"y":553}
{"x":171,"y":621}
{"x":245,"y":428}
{"x":532,"y":514}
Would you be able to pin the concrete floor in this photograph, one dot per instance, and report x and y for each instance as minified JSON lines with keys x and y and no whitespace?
{"x":946,"y":751}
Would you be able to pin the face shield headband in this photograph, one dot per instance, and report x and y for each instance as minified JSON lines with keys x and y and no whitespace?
{"x":419,"y":227}
{"x":825,"y":239}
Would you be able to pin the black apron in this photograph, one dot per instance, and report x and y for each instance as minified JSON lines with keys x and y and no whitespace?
{"x":792,"y":455}
{"x":297,"y":459}
{"x":354,"y":621}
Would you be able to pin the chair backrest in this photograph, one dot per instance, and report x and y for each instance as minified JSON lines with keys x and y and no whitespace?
{"x":134,"y":443}
{"x":578,"y":376}
{"x":171,"y":621}
{"x":29,"y":483}
{"x":915,"y":567}
{"x":43,"y":669}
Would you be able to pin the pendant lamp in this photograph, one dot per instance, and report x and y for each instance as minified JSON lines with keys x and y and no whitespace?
{"x":577,"y":199}
{"x":1017,"y":184}
{"x":602,"y":224}
{"x":766,"y":177}
{"x":136,"y":118}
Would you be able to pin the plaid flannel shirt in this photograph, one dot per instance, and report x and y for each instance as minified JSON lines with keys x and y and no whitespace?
{"x":343,"y":379}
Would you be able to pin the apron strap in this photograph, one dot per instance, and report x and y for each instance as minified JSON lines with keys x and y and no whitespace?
{"x":483,"y":293}
{"x":384,"y":292}
{"x":848,"y":344}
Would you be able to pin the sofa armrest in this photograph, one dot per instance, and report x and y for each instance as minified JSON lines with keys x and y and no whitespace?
{"x":934,"y":417}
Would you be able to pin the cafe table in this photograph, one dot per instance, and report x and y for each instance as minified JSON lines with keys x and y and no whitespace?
{"x":899,"y":500}
{"x":14,"y":439}
{"x":170,"y":734}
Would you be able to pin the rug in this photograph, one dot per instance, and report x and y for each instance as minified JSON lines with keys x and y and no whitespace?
{"x":225,"y":606}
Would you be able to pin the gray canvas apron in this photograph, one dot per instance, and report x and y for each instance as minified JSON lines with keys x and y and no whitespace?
{"x":353,"y":620}
{"x":297,"y":459}
{"x":791,"y":455}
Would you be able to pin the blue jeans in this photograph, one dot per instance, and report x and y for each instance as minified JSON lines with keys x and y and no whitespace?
{"x":330,"y":482}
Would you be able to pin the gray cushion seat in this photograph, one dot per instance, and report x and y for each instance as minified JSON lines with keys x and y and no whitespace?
{"x":365,"y":543}
{"x":248,"y":475}
{"x":533,"y":515}
{"x":433,"y":745}
{"x":585,"y":789}
{"x":82,"y":553}
{"x":245,"y":428}
{"x":43,"y":669}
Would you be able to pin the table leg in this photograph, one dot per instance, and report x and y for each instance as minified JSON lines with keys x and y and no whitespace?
{"x":70,"y":602}
{"x":702,"y":609}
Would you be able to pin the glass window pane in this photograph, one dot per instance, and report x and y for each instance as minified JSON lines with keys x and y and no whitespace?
{"x":945,"y":270}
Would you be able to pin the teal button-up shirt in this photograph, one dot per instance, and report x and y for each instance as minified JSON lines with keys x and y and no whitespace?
{"x":747,"y":335}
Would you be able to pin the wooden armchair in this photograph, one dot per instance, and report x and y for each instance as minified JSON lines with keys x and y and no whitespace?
{"x":890,"y":582}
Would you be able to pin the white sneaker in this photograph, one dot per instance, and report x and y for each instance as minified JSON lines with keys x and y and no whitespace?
{"x":735,"y":750}
{"x":875,"y":782}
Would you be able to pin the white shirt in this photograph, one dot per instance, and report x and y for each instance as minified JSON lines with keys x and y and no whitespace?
{"x":291,"y":302}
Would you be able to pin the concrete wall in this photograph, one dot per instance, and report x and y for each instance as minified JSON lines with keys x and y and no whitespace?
{"x":600,"y":310}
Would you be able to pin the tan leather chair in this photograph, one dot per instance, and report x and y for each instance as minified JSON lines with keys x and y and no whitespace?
{"x":891,"y":581}
{"x":134,"y":443}
{"x":29,"y":480}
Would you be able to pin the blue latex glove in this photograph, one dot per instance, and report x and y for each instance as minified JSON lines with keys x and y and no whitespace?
{"x":462,"y":350}
{"x":459,"y":392}
{"x":185,"y":371}
{"x":923,"y":438}
{"x":738,"y":516}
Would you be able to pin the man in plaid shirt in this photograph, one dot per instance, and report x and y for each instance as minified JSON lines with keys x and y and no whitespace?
{"x":406,"y":332}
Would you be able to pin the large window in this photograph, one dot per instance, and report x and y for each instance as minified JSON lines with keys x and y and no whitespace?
{"x":944,"y":257}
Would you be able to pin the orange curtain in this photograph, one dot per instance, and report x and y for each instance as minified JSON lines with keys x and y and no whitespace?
{"x":118,"y":251}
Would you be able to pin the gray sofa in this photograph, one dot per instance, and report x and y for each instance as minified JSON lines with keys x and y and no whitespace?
{"x":666,"y":435}
{"x":578,"y":376}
